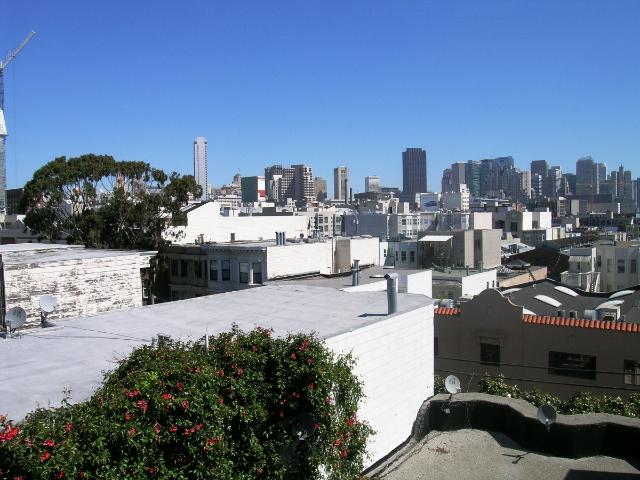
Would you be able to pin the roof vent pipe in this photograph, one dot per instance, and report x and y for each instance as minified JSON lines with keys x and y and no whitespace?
{"x":355,"y":273}
{"x":392,"y":292}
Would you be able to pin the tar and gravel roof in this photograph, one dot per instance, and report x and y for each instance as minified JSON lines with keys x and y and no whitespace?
{"x":38,"y":366}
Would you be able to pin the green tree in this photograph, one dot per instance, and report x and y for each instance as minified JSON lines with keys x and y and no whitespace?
{"x":97,"y":201}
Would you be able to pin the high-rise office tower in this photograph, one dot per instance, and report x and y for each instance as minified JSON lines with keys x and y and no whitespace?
{"x":551,"y":183}
{"x":320,"y":189}
{"x":536,"y":184}
{"x":414,"y":171}
{"x":447,"y":181}
{"x":472,"y":177}
{"x":586,"y":177}
{"x":303,"y":183}
{"x":372,"y":183}
{"x":539,"y":167}
{"x":272,"y":176}
{"x":200,"y":164}
{"x":341,"y":183}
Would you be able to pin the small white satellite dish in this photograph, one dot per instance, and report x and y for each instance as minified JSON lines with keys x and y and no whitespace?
{"x":452,"y":384}
{"x":547,"y":415}
{"x":48,"y":303}
{"x":16,"y":317}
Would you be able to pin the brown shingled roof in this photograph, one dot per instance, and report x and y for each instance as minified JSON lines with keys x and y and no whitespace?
{"x":561,"y":322}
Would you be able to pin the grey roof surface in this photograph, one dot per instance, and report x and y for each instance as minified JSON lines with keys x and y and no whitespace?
{"x":476,"y":454}
{"x":525,"y":297}
{"x":24,"y":253}
{"x":39,"y":365}
{"x":344,"y":280}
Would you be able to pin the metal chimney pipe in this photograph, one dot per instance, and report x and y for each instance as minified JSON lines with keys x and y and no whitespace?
{"x":355,"y":273}
{"x":392,"y":292}
{"x":277,"y":238}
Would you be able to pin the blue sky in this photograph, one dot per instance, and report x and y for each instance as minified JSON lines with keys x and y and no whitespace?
{"x":325,"y":83}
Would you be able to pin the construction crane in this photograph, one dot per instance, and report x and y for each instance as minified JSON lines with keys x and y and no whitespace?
{"x":3,"y":128}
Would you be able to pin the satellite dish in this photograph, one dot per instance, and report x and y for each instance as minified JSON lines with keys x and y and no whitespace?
{"x":48,"y":303}
{"x":16,"y":317}
{"x":452,"y":384}
{"x":547,"y":415}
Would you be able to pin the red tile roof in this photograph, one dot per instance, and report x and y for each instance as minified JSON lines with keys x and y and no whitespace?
{"x":561,"y":322}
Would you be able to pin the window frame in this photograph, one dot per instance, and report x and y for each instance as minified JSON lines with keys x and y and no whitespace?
{"x":487,"y":352}
{"x":569,"y":370}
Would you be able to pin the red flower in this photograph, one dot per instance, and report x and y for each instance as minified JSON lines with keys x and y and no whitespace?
{"x":173,"y":428}
{"x":132,"y":431}
{"x":220,"y":373}
{"x":152,"y":470}
{"x":180,"y":386}
{"x":309,"y":361}
{"x":143,"y":405}
{"x":45,"y":456}
{"x":185,"y":404}
{"x":127,"y":417}
{"x":294,"y":356}
{"x":337,"y":442}
{"x":311,"y":386}
{"x":221,"y":401}
{"x":156,"y":428}
{"x":132,"y":393}
{"x":68,"y":427}
{"x":199,"y":427}
{"x":49,"y":443}
{"x":60,"y":474}
{"x":167,"y":396}
{"x":211,"y":442}
{"x":344,"y":453}
{"x":316,"y":426}
{"x":255,"y":348}
{"x":240,"y":370}
{"x":304,"y":345}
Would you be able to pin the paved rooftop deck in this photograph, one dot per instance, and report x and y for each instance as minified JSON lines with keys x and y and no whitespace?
{"x":39,"y":365}
{"x":475,"y":454}
{"x":28,"y":253}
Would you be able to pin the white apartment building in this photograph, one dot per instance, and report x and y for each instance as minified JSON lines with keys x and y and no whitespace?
{"x":456,"y":200}
{"x":206,"y":223}
{"x":582,"y":272}
{"x":617,"y":263}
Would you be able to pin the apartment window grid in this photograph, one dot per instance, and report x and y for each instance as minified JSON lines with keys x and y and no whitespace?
{"x":572,"y":365}
{"x":403,"y":256}
{"x":213,"y":270}
{"x":226,"y":270}
{"x":631,"y":372}
{"x":621,"y":265}
{"x":257,"y":272}
{"x":243,"y":272}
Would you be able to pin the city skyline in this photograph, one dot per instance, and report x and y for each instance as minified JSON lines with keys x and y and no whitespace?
{"x":566,"y":59}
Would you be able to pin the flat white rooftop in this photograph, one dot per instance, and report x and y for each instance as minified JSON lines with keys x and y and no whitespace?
{"x":40,"y":365}
{"x":20,"y":253}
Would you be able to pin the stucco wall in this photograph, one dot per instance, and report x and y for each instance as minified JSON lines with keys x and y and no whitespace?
{"x":299,"y":258}
{"x":395,"y":364}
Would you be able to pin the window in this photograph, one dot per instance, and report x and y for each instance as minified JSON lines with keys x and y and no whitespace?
{"x":213,"y":270}
{"x":175,"y":270}
{"x":385,"y":253}
{"x":243,"y":269}
{"x":633,"y":266}
{"x":609,"y":265}
{"x":535,"y":225}
{"x":631,"y":372}
{"x":621,"y":263}
{"x":183,"y":268}
{"x":197,"y":268}
{"x":403,"y":256}
{"x":598,"y":261}
{"x":572,"y":365}
{"x":257,"y":272}
{"x":412,"y":256}
{"x":404,"y":221}
{"x":490,"y":354}
{"x":226,"y":270}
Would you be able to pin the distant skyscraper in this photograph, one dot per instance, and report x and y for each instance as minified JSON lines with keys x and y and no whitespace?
{"x":472,"y":177}
{"x":320,"y":189}
{"x":586,"y":177}
{"x":414,"y":171}
{"x":539,"y":167}
{"x":341,"y":183}
{"x":200,"y":164}
{"x":372,"y":183}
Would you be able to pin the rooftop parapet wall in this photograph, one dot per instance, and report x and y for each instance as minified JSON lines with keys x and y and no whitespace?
{"x":572,"y":436}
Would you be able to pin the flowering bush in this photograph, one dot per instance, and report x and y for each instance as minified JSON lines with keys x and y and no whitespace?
{"x":251,"y":406}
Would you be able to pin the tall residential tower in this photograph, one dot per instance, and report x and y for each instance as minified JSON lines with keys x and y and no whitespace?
{"x":341,"y":183}
{"x":200,"y":164}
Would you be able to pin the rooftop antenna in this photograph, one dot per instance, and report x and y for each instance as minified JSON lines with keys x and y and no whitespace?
{"x":15,"y":318}
{"x":48,"y":304}
{"x":547,"y":416}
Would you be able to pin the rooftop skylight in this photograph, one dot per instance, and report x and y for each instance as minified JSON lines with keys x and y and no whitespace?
{"x":509,"y":290}
{"x":621,"y":293}
{"x":566,"y":291}
{"x":548,"y":300}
